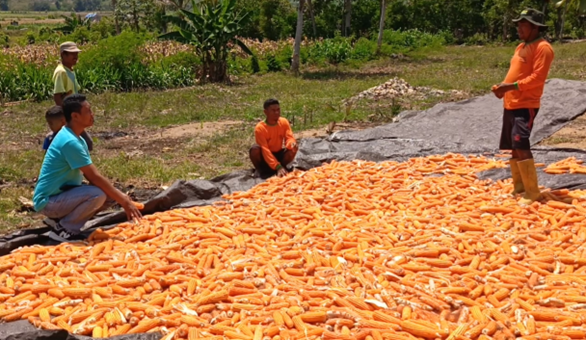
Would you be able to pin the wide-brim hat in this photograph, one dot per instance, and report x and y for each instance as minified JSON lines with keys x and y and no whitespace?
{"x":533,"y":16}
{"x":69,"y":46}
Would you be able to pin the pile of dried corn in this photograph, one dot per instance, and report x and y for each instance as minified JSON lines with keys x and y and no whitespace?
{"x":570,"y":164}
{"x":351,"y":250}
{"x":399,"y":88}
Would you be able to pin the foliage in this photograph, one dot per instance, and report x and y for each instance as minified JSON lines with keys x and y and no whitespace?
{"x":4,"y":5}
{"x":4,"y":40}
{"x":211,"y":28}
{"x":73,"y":22}
{"x":87,"y":5}
{"x":116,"y":52}
{"x":254,"y":64}
{"x":334,"y":51}
{"x":23,"y":81}
{"x":40,"y":6}
{"x":364,"y":49}
{"x":30,"y":38}
{"x":412,"y":39}
{"x":273,"y":65}
{"x":136,"y":13}
{"x":277,"y":19}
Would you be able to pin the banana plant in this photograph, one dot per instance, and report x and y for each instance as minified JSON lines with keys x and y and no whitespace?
{"x":212,"y":27}
{"x":72,"y":22}
{"x":581,"y":8}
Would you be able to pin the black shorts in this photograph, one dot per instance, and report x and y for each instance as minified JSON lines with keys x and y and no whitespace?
{"x":517,"y":126}
{"x":265,"y":168}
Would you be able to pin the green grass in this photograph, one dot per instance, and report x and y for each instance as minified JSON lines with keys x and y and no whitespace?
{"x":316,"y":95}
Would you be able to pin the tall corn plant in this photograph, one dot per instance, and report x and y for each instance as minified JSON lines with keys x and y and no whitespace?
{"x":211,"y":27}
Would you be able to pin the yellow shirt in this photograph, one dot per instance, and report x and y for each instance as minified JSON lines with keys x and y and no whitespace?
{"x":65,"y":81}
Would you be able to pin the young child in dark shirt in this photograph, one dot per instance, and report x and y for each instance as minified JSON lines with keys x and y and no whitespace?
{"x":56,"y":120}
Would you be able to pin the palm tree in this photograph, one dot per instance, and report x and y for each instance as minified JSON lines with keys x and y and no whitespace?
{"x":348,"y":17}
{"x":116,"y":23}
{"x":381,"y":28}
{"x":298,"y":36}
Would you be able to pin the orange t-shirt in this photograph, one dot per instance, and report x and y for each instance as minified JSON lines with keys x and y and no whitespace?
{"x":529,"y":69}
{"x":271,"y":139}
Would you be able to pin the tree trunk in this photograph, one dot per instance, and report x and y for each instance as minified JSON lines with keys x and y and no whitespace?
{"x":381,"y":27}
{"x":563,"y":18}
{"x":505,"y":27}
{"x":312,"y":16}
{"x":298,"y":36}
{"x":116,"y":23}
{"x":348,"y":20}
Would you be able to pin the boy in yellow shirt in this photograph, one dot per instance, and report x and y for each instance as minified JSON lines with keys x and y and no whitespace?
{"x":65,"y":81}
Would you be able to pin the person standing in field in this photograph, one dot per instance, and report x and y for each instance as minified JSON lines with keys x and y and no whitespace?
{"x":522,"y":90}
{"x":65,"y":81}
{"x":275,"y":146}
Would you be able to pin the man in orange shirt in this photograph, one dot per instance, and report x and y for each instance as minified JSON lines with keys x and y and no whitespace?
{"x":522,"y":90}
{"x":275,"y":145}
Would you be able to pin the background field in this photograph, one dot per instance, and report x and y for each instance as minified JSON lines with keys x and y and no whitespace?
{"x":147,"y":140}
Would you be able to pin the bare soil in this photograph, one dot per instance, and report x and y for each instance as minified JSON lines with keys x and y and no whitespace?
{"x":156,"y":141}
{"x":572,"y":135}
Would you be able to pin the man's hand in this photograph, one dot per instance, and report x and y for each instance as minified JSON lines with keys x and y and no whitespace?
{"x":500,"y":90}
{"x":282,"y":172}
{"x":294,"y":145}
{"x":132,"y":212}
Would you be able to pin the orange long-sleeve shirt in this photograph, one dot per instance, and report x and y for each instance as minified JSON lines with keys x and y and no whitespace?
{"x":529,"y":69}
{"x":271,"y":138}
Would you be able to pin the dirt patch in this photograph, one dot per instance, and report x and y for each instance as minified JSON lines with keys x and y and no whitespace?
{"x":572,"y":135}
{"x":155,"y":141}
{"x":197,"y":130}
{"x":32,"y":21}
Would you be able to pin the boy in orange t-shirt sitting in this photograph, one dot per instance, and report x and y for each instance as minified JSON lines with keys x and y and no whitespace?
{"x":275,"y":145}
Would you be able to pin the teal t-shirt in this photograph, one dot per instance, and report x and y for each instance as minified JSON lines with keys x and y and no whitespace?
{"x":66,"y":155}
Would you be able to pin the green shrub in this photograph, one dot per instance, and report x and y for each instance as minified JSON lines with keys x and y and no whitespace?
{"x":273,"y":65}
{"x":22,"y":81}
{"x":284,"y":55}
{"x":412,"y":39}
{"x":333,"y":51}
{"x":31,"y":38}
{"x":4,"y":40}
{"x":117,"y":52}
{"x":83,"y":35}
{"x":186,"y":60}
{"x":364,"y":49}
{"x":105,"y":28}
{"x":477,"y":39}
